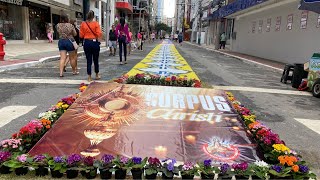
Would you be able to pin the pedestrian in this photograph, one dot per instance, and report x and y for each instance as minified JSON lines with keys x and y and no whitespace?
{"x":50,"y":33}
{"x":175,"y":37}
{"x":90,"y":31}
{"x":139,"y":36}
{"x":122,"y":32}
{"x":66,"y":43}
{"x":180,"y":38}
{"x":77,"y":39}
{"x":223,"y":41}
{"x":153,"y":36}
{"x":129,"y":41}
{"x":112,"y":41}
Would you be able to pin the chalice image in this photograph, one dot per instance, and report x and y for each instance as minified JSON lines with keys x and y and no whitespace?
{"x":105,"y":112}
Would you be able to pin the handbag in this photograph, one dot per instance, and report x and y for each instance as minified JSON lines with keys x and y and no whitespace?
{"x":74,"y":43}
{"x":93,"y":32}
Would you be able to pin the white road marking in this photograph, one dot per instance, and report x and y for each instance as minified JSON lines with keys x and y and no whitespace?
{"x":10,"y":113}
{"x":311,"y":124}
{"x":44,"y":81}
{"x":262,"y":90}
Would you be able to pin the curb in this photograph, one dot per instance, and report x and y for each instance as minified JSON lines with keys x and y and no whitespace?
{"x":237,"y":57}
{"x":40,"y":61}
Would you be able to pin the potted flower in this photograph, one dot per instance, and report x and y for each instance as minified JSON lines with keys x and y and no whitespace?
{"x":169,"y":169}
{"x":302,"y":172}
{"x":224,"y":171}
{"x":260,"y":170}
{"x":241,"y":170}
{"x":152,"y":168}
{"x":4,"y":157}
{"x":105,"y":166}
{"x":121,"y":167}
{"x":188,"y":170}
{"x":73,"y":163}
{"x":137,"y":165}
{"x":40,"y":163}
{"x":280,"y":172}
{"x":19,"y":164}
{"x":90,"y":171}
{"x":11,"y":145}
{"x":206,"y":169}
{"x":58,"y":166}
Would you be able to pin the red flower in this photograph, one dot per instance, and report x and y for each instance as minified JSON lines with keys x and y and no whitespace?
{"x":14,"y":136}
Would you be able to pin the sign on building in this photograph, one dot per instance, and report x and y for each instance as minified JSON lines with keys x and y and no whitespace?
{"x":16,"y":2}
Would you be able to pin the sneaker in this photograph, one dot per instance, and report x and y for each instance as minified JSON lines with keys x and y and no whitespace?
{"x":121,"y":63}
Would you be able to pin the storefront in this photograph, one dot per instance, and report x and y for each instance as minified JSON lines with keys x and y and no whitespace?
{"x":39,"y":17}
{"x":11,"y":19}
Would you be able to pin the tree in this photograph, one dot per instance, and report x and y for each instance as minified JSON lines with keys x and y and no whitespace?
{"x":161,"y":26}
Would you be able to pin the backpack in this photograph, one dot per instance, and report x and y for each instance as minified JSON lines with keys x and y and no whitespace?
{"x":112,"y":36}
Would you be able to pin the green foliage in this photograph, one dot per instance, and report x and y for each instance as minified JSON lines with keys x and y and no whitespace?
{"x":161,"y":26}
{"x":61,"y":167}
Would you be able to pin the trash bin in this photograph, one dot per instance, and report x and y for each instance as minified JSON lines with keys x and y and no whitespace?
{"x":298,"y":74}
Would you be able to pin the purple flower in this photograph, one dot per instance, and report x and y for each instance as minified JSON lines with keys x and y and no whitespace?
{"x":277,"y":168}
{"x":136,"y":160}
{"x":207,"y":162}
{"x":173,"y":78}
{"x":170,"y":166}
{"x":58,"y":159}
{"x":241,"y":166}
{"x":107,"y":158}
{"x":39,"y":158}
{"x":22,"y":158}
{"x":73,"y":159}
{"x":4,"y":156}
{"x":303,"y":169}
{"x":88,"y":161}
{"x":224,"y":168}
{"x":187,"y":166}
{"x":123,"y":159}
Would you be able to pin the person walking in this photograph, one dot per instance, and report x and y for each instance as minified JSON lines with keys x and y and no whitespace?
{"x":50,"y":33}
{"x":223,"y":41}
{"x":153,"y":36}
{"x":90,"y":31}
{"x":180,"y":38}
{"x":129,"y":41}
{"x":112,"y":41}
{"x":66,"y":38}
{"x":139,"y":37}
{"x":122,"y":32}
{"x":77,"y":39}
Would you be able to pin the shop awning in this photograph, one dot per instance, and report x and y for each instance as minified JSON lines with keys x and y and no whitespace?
{"x":310,"y":5}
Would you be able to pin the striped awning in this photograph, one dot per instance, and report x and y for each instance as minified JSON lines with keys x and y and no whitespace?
{"x":310,"y":5}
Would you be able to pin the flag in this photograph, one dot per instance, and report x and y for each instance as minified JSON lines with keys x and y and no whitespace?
{"x":310,"y":5}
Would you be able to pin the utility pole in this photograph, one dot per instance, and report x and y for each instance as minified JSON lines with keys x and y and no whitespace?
{"x":200,"y":21}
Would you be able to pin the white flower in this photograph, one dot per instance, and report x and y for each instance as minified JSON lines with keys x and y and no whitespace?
{"x":41,"y":115}
{"x":261,"y":164}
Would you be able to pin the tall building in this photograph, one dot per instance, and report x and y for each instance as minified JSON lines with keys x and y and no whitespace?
{"x":160,"y":8}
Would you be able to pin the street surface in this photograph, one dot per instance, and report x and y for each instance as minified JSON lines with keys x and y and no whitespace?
{"x":293,"y":115}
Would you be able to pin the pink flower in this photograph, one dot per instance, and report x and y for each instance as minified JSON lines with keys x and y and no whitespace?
{"x":22,"y":158}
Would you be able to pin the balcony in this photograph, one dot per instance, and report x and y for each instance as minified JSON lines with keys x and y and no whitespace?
{"x":125,"y":5}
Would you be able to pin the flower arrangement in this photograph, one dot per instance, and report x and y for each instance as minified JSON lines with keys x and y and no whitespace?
{"x":58,"y":163}
{"x":4,"y":156}
{"x":18,"y":161}
{"x":153,"y":166}
{"x":206,"y":169}
{"x":39,"y":160}
{"x":87,"y":166}
{"x":241,"y":169}
{"x":260,"y":169}
{"x":150,"y":79}
{"x":188,"y":170}
{"x":105,"y":163}
{"x":137,"y":162}
{"x":49,"y":115}
{"x":224,"y":170}
{"x":168,"y":167}
{"x":121,"y":163}
{"x":12,"y":145}
{"x":74,"y":161}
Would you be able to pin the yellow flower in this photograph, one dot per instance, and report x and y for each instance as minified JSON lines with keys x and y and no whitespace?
{"x":281,"y":148}
{"x":65,"y":106}
{"x":59,"y":104}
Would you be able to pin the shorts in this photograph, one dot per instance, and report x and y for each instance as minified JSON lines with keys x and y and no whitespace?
{"x":65,"y":45}
{"x":113,"y":44}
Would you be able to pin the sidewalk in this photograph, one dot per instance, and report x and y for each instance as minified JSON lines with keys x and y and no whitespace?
{"x":26,"y":55}
{"x":261,"y":61}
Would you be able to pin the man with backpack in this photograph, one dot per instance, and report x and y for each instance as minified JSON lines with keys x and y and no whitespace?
{"x":112,"y":41}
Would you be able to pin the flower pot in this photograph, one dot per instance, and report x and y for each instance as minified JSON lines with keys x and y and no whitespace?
{"x":207,"y":176}
{"x":56,"y":174}
{"x":255,"y":178}
{"x":71,"y":174}
{"x":241,"y":177}
{"x":223,"y":176}
{"x":136,"y":173}
{"x":83,"y":173}
{"x":42,"y":171}
{"x":187,"y":176}
{"x":21,"y":171}
{"x":166,"y":177}
{"x":120,"y":174}
{"x":91,"y":174}
{"x":105,"y":174}
{"x":151,"y":176}
{"x":4,"y":170}
{"x":277,"y":177}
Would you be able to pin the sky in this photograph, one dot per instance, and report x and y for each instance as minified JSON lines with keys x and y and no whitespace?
{"x":169,"y":6}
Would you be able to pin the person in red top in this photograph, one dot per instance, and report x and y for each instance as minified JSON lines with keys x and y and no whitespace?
{"x":122,"y":32}
{"x":90,"y":31}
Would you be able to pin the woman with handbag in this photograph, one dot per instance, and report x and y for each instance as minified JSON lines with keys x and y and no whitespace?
{"x":77,"y":39}
{"x":122,"y":32}
{"x":90,"y":31}
{"x":67,"y":44}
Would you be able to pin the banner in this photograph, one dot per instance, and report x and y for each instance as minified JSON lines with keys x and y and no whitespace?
{"x":164,"y":60}
{"x":188,"y":124}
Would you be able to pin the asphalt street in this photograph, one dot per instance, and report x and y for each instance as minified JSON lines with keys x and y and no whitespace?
{"x":280,"y":111}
